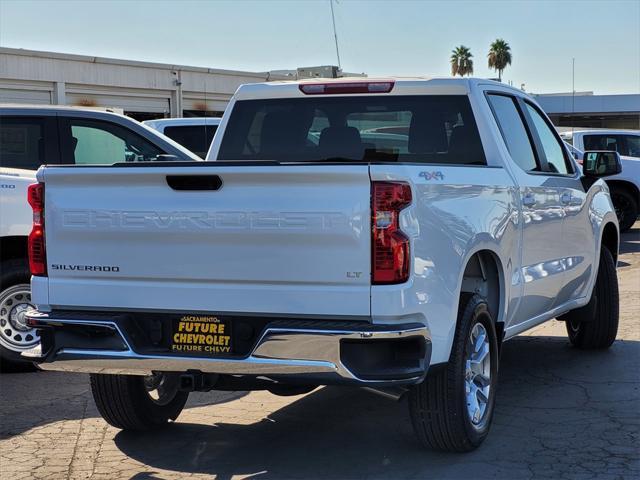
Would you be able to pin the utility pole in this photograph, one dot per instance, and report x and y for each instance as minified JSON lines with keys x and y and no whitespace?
{"x":335,"y":35}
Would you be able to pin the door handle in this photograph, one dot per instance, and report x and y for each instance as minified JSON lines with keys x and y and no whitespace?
{"x":194,"y":182}
{"x":565,"y":198}
{"x":529,"y":199}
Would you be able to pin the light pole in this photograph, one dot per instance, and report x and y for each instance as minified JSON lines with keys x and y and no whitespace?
{"x":335,"y":35}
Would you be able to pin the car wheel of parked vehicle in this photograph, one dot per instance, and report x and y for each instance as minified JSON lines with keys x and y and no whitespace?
{"x":626,"y":206}
{"x":453,"y":408}
{"x":596,"y":324}
{"x":131,"y":402}
{"x":15,"y":301}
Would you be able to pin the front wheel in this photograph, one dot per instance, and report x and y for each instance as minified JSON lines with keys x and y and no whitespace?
{"x":452,"y":409}
{"x":132,"y":402}
{"x":595,"y":325}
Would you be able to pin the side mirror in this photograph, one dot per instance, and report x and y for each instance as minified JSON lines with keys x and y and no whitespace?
{"x":601,"y":163}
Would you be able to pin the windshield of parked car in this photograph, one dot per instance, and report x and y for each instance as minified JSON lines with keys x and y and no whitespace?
{"x":425,"y":129}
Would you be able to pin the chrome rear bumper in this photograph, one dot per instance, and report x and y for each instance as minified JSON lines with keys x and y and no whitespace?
{"x":307,"y":354}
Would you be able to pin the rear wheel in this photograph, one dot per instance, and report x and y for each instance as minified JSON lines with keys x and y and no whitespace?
{"x":131,"y":402}
{"x":626,"y":206}
{"x":452,"y":409}
{"x":595,"y":325}
{"x":15,"y":301}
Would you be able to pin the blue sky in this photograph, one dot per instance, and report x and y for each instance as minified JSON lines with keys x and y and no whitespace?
{"x":381,"y":37}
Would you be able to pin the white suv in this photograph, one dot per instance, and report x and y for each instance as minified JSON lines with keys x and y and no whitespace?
{"x":33,"y":136}
{"x":625,"y":187}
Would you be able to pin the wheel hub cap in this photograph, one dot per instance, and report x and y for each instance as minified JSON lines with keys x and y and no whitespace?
{"x":477,"y":375}
{"x":15,"y":334}
{"x":18,"y":317}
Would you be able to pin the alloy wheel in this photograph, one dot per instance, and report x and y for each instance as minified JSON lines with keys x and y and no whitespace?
{"x":477,"y":375}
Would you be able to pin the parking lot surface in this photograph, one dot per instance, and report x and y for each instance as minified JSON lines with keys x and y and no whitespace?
{"x":560,"y":413}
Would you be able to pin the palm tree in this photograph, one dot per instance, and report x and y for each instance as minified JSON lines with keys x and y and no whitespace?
{"x":461,"y":63}
{"x":499,"y":56}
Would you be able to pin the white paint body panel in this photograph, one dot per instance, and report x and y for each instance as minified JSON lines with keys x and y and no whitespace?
{"x":270,"y":240}
{"x":15,"y":212}
{"x":163,"y":123}
{"x":295,"y":240}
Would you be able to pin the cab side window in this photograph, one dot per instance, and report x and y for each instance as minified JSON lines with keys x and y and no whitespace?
{"x":22,"y":142}
{"x":554,"y":151}
{"x":94,"y":142}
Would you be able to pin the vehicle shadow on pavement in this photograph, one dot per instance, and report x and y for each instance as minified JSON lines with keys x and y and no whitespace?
{"x":51,"y":397}
{"x":559,"y":410}
{"x":630,"y":240}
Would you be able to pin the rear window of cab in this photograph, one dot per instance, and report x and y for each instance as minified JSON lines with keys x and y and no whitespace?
{"x":438,"y":129}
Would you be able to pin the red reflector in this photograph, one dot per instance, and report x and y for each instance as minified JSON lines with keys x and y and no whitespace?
{"x":35,"y":243}
{"x":37,"y":257}
{"x":346,"y":87}
{"x":390,"y":246}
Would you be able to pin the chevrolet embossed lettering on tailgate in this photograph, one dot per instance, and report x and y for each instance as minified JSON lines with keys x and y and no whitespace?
{"x":264,"y":239}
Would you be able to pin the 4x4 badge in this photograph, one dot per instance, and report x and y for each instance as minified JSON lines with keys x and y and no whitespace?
{"x":432,"y":175}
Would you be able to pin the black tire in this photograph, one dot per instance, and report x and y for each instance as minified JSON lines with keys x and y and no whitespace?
{"x":626,"y":205}
{"x":595,"y":325}
{"x":124,"y":402}
{"x":13,"y":272}
{"x":438,"y":406}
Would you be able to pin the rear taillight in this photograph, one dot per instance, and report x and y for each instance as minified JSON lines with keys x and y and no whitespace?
{"x":37,"y":253}
{"x":389,"y":245}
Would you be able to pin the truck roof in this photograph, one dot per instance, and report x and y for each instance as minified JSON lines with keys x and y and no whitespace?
{"x":402,"y":86}
{"x":599,"y":131}
{"x":181,"y":122}
{"x":25,"y":109}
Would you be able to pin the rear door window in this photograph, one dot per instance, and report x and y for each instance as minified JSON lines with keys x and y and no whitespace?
{"x":421,"y":129}
{"x":196,"y":138}
{"x":22,"y":142}
{"x":96,"y":142}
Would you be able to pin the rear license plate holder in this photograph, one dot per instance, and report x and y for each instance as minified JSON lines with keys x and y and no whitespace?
{"x":201,"y":335}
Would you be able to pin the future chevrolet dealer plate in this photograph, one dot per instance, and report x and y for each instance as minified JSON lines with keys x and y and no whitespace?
{"x":201,"y":335}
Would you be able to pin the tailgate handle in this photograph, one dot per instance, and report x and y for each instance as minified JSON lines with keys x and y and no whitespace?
{"x":194,"y":182}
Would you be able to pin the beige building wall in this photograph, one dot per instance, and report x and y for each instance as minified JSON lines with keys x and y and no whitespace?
{"x":143,"y":90}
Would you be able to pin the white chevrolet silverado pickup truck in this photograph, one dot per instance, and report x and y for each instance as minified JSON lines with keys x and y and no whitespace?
{"x":388,"y":234}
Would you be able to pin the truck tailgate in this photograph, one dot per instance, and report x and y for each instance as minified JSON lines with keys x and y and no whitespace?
{"x":271,"y":239}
